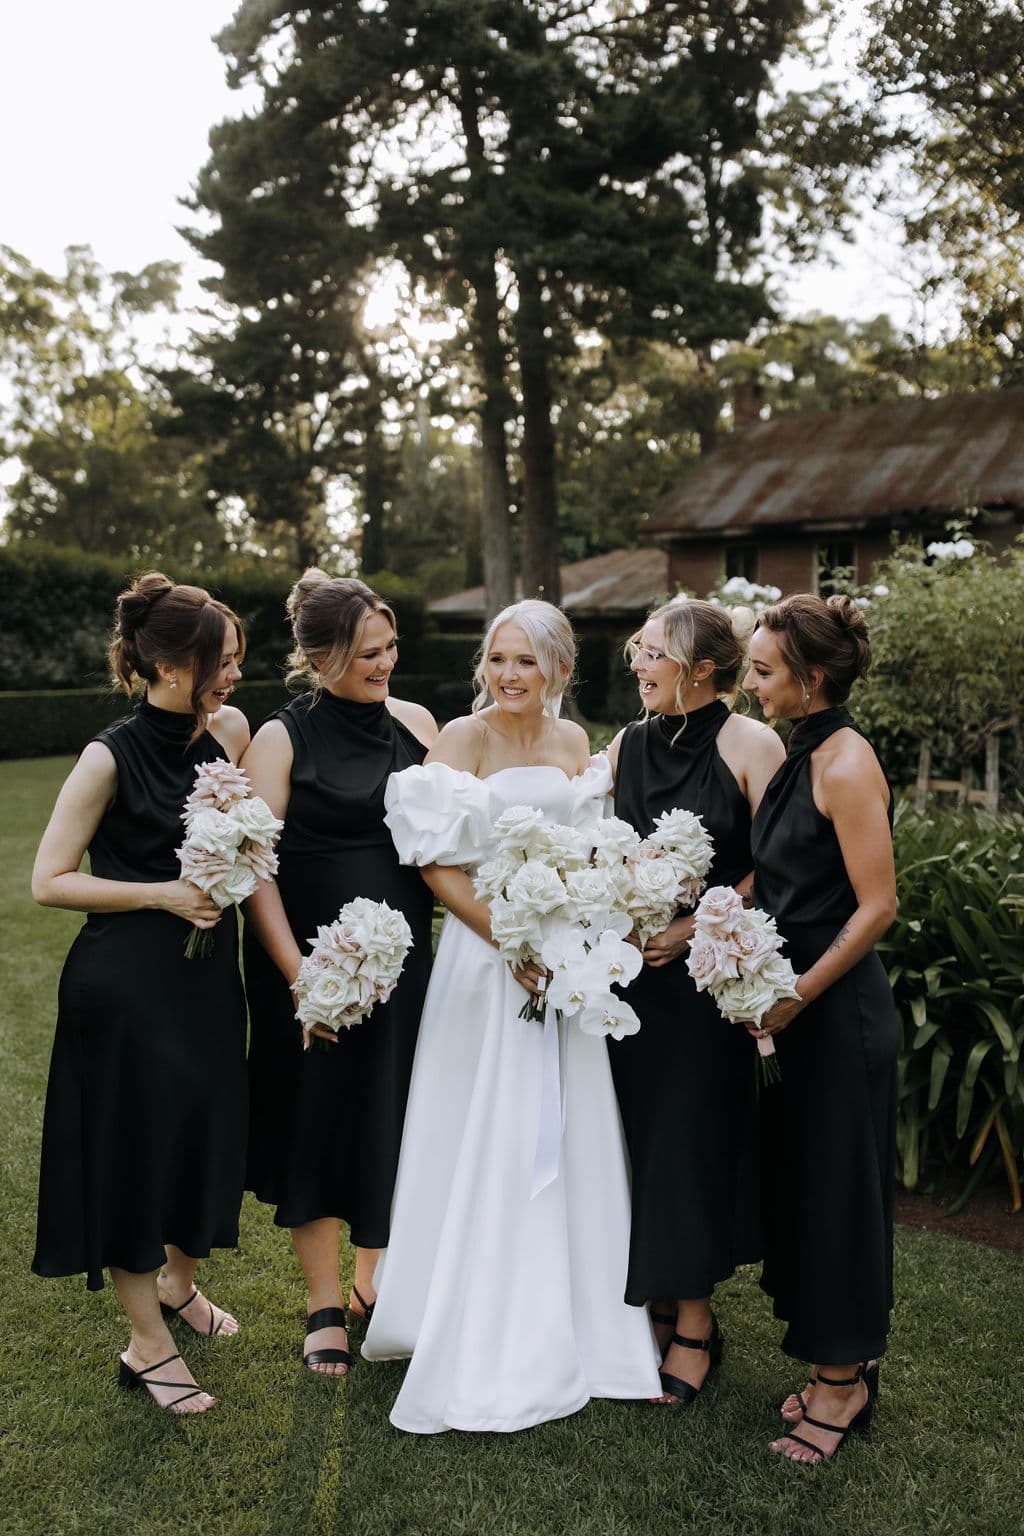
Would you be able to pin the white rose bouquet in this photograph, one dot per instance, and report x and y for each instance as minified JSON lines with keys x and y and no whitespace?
{"x":558,"y":898}
{"x":668,"y":870}
{"x":230,"y":837}
{"x":352,"y":966}
{"x":735,"y":954}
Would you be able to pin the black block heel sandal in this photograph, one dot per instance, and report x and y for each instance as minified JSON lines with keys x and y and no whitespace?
{"x":327,"y":1317}
{"x":684,"y":1391}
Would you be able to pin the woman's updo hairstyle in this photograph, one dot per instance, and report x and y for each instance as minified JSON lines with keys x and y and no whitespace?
{"x":827,"y":634}
{"x":327,"y":615}
{"x":697,"y":631}
{"x":158,"y":620}
{"x":551,"y":641}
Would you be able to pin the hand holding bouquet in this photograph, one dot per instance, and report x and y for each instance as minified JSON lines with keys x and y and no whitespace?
{"x":229,"y":842}
{"x":353,"y":965}
{"x":735,"y":955}
{"x":557,"y":898}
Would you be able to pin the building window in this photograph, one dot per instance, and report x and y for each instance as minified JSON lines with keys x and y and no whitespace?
{"x":742,"y":560}
{"x":835,"y":566}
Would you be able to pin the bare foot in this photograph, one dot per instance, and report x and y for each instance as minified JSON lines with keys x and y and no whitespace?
{"x":191,"y":1305}
{"x":169,"y":1383}
{"x":831,"y":1405}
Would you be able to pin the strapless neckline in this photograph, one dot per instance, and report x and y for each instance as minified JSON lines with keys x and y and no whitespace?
{"x":531,"y":768}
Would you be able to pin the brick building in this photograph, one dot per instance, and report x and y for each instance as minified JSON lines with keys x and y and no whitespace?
{"x":787,"y":501}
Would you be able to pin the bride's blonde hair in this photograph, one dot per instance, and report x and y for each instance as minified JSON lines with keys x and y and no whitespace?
{"x":551,"y":641}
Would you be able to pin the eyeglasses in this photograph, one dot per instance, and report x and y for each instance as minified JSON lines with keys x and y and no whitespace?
{"x":646,"y":657}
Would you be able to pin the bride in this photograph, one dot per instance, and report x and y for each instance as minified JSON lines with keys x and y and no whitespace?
{"x":511,"y":1306}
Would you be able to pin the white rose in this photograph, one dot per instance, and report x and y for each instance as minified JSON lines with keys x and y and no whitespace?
{"x":655,"y":884}
{"x":235,"y":886}
{"x":752,"y":944}
{"x":614,"y":841}
{"x":516,"y":933}
{"x":709,"y":962}
{"x":323,"y":995}
{"x":215,"y":831}
{"x":747,"y":999}
{"x":518,"y":827}
{"x":256,"y":819}
{"x":591,"y":895}
{"x":562,"y":847}
{"x":720,"y":910}
{"x":492,"y":877}
{"x":535,"y":888}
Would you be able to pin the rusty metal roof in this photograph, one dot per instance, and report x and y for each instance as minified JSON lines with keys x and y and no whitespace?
{"x":862,"y":465}
{"x":628,"y":582}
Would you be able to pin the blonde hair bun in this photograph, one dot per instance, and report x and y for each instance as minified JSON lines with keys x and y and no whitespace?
{"x":307,"y":583}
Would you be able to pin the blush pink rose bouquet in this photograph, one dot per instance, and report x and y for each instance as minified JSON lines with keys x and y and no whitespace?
{"x":735,"y":954}
{"x":230,"y":838}
{"x":353,"y":965}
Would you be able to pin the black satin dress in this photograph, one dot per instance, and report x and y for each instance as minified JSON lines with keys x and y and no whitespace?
{"x":686,"y":1082}
{"x":326,"y":1124}
{"x":829,"y":1127}
{"x":145,"y":1123}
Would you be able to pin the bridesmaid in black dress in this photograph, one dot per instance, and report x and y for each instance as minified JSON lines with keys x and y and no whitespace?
{"x":686,"y":1082}
{"x":824,"y":869}
{"x":326,"y":1124}
{"x":143,"y":1153}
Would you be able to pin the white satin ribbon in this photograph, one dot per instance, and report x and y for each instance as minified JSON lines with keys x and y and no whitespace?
{"x":548,"y":1153}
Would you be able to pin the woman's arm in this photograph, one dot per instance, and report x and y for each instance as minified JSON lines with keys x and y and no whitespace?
{"x":86,"y":796}
{"x":268,"y":762}
{"x":854,"y":795}
{"x":230,"y":727}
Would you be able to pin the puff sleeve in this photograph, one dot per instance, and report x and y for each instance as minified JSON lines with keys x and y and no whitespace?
{"x":438,"y":815}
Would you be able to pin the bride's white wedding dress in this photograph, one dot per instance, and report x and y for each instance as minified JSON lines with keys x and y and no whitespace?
{"x":511,"y":1308}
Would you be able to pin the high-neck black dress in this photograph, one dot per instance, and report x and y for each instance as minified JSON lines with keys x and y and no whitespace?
{"x":145,"y":1123}
{"x":829,"y":1127}
{"x":326,"y":1124}
{"x":686,"y":1082}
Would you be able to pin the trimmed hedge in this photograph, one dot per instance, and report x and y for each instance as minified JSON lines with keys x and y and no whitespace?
{"x":57,"y":607}
{"x":56,"y":721}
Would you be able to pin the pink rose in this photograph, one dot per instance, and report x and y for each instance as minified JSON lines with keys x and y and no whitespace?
{"x":720,"y":910}
{"x":709,"y":962}
{"x":752,"y":947}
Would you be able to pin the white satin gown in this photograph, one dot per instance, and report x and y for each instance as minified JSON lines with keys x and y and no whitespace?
{"x":510,"y":1307}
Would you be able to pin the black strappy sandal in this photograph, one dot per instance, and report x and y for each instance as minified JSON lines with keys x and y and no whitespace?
{"x":869,"y":1372}
{"x":131,"y":1380}
{"x":326,"y":1317}
{"x":861,"y":1420}
{"x":684,"y":1391}
{"x":208,"y":1333}
{"x":367,"y":1306}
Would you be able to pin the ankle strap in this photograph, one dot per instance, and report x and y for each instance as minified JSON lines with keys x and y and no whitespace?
{"x":677,"y":1338}
{"x":842,"y":1381}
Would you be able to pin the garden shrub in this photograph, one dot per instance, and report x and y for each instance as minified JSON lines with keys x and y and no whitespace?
{"x":956,"y":962}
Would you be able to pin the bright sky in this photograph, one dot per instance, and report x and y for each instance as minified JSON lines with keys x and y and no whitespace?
{"x":105,"y":106}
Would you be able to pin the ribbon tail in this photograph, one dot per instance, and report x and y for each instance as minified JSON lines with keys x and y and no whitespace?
{"x":547,"y":1156}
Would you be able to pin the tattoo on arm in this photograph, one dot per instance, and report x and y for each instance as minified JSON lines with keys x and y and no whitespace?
{"x":840,"y":938}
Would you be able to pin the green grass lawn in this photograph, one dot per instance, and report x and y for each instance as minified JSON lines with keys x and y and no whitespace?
{"x":285,"y":1451}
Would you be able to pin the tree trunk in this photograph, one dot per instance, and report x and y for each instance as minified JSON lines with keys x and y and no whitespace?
{"x":540,"y":565}
{"x":373,"y":549}
{"x":495,"y":519}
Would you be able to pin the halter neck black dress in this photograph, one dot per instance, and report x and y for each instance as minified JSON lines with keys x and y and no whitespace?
{"x":829,"y":1127}
{"x":145,"y":1123}
{"x":326,"y":1124}
{"x":686,"y":1082}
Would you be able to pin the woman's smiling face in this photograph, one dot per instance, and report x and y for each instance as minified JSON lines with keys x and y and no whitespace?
{"x":365,"y":679}
{"x":514,"y":677}
{"x":657,"y":674}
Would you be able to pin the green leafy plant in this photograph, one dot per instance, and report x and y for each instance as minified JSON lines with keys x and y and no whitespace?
{"x":956,"y":963}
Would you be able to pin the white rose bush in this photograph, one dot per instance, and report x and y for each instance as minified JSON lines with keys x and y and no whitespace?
{"x":230,"y":840}
{"x":735,"y":954}
{"x":353,"y":964}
